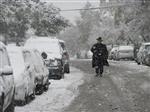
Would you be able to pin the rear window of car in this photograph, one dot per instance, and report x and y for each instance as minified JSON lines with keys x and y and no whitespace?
{"x":27,"y":56}
{"x":4,"y":60}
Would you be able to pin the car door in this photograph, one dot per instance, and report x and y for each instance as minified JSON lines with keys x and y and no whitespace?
{"x":7,"y":80}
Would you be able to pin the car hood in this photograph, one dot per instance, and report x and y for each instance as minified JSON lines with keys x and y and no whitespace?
{"x":54,"y":56}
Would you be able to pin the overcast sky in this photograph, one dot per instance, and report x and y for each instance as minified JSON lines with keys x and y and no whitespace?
{"x":72,"y":4}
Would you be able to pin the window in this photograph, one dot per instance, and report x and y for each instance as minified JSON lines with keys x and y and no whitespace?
{"x":27,"y":56}
{"x":147,"y":47}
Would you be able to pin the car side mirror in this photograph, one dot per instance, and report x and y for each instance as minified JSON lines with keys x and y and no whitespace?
{"x":44,"y":55}
{"x":7,"y":70}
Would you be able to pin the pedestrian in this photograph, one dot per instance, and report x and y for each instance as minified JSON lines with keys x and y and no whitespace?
{"x":100,"y":56}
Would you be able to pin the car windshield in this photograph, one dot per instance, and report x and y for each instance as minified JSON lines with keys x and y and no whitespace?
{"x":50,"y":47}
{"x":147,"y":47}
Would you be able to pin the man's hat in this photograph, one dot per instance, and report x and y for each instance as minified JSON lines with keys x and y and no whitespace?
{"x":99,"y":39}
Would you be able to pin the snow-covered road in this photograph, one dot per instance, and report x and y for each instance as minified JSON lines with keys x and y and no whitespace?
{"x":60,"y":94}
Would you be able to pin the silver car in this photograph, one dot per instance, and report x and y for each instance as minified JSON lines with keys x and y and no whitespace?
{"x":6,"y":82}
{"x":125,"y":52}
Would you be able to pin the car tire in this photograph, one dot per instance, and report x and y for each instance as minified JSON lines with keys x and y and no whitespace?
{"x":11,"y":107}
{"x":39,"y":90}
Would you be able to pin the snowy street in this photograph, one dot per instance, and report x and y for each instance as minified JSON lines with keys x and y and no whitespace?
{"x":125,"y":87}
{"x":74,"y":55}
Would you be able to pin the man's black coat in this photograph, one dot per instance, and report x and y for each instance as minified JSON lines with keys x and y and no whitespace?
{"x":100,"y":55}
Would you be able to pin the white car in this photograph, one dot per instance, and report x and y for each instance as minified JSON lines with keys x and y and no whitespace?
{"x":125,"y":52}
{"x":41,"y":72}
{"x":54,"y":51}
{"x":23,"y":74}
{"x":7,"y":90}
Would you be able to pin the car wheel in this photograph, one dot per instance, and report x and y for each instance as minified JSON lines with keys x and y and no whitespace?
{"x":11,"y":107}
{"x":39,"y":90}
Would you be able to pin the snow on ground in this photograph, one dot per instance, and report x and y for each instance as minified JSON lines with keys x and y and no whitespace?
{"x":60,"y":94}
{"x":131,"y":64}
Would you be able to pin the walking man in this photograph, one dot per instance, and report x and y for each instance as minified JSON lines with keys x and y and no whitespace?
{"x":100,"y":56}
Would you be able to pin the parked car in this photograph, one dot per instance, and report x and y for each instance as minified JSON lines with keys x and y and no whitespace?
{"x":23,"y":75}
{"x":7,"y":90}
{"x":113,"y":53}
{"x":125,"y":52}
{"x":54,"y":51}
{"x":65,"y":57}
{"x":143,"y":55}
{"x":41,"y":73}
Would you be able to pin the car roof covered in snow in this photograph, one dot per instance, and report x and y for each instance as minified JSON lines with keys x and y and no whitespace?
{"x":147,"y":43}
{"x":126,"y":48}
{"x":44,"y":44}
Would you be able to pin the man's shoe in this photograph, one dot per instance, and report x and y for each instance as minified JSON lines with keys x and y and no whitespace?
{"x":96,"y":75}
